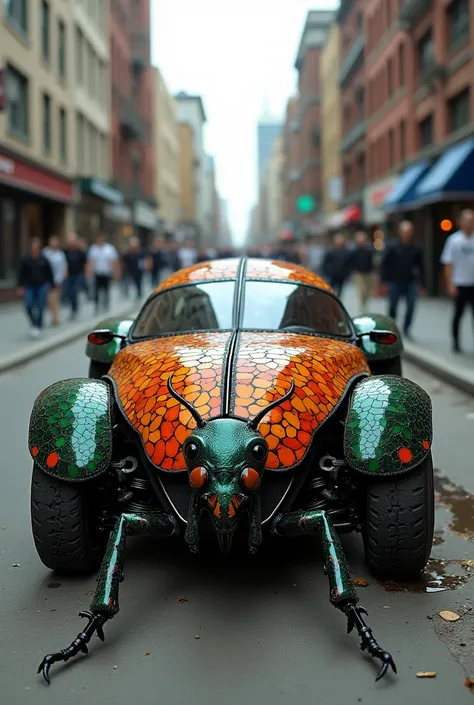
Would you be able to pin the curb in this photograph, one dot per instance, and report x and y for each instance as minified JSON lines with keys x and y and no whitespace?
{"x":439,"y":367}
{"x":42,"y":348}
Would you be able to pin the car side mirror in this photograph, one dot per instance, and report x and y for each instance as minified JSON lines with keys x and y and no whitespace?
{"x":103,"y":336}
{"x":381,"y":337}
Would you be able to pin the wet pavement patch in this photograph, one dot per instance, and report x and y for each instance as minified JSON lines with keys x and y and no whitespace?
{"x":439,"y":575}
{"x":460,"y":504}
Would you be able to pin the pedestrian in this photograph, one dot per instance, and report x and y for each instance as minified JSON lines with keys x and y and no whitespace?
{"x":458,"y":260}
{"x":402,"y":269}
{"x":35,"y":278}
{"x":58,"y":262}
{"x":76,"y":259}
{"x":158,"y":261}
{"x":187,"y":255}
{"x":102,"y":265}
{"x":315,"y":256}
{"x":83,"y":283}
{"x":361,"y":265}
{"x":336,"y":264}
{"x":134,"y":263}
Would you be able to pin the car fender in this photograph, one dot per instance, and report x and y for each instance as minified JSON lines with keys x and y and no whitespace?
{"x":389,"y":426}
{"x":106,"y":353}
{"x":376,"y":351}
{"x":70,"y":431}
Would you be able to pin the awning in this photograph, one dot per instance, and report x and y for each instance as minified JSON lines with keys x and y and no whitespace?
{"x":102,"y":190}
{"x":405,"y":191}
{"x":351,"y":214}
{"x":452,"y":177}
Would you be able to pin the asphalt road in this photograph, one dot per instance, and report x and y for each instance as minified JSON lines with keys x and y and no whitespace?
{"x":266,"y":631}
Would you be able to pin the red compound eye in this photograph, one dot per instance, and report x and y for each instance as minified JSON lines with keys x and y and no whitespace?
{"x":198,"y":478}
{"x":250,"y":479}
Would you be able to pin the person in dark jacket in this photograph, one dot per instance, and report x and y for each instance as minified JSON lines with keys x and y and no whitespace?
{"x":76,"y":259}
{"x":336,"y":264}
{"x":35,"y":278}
{"x":402,"y":270}
{"x":133,"y":266}
{"x":361,"y":265}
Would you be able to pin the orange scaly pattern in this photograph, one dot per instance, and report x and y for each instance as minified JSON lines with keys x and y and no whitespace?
{"x":140,"y":372}
{"x":321,"y":369}
{"x":221,"y":269}
{"x":283,"y":271}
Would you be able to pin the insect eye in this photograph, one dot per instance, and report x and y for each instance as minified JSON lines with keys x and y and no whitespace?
{"x":198,"y":478}
{"x":259,"y":452}
{"x":191,"y":450}
{"x":250,"y":479}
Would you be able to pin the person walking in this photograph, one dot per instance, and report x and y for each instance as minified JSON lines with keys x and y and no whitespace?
{"x":361,"y":265}
{"x":134,"y":263}
{"x":458,"y":260}
{"x":187,"y":255}
{"x":35,"y":278}
{"x":102,"y":266}
{"x":336,"y":264}
{"x":76,"y":259}
{"x":402,"y":269}
{"x":58,"y":262}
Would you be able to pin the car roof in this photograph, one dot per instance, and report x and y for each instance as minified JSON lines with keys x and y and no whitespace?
{"x":255,"y":269}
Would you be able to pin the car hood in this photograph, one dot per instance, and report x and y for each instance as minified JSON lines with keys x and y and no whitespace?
{"x":261,"y":369}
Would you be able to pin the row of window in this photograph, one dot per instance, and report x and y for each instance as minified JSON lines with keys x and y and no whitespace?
{"x":92,"y":149}
{"x":353,"y":111}
{"x":18,"y":12}
{"x":388,"y":80}
{"x":381,"y":20}
{"x":20,"y":107}
{"x":91,"y":71}
{"x":354,"y":173}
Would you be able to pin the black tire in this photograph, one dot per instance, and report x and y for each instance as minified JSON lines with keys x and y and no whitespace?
{"x":398,"y":532}
{"x":387,"y":367}
{"x":98,"y":369}
{"x":64,"y":522}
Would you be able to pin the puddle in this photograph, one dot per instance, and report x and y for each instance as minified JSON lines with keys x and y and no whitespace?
{"x":439,"y":575}
{"x":460,"y":504}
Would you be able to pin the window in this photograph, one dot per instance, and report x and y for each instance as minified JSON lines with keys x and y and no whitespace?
{"x":80,"y":143}
{"x":458,"y":22}
{"x":17,"y":103}
{"x":426,"y":51}
{"x":187,"y":308}
{"x":63,"y":135}
{"x":425,"y":131}
{"x":361,"y":166}
{"x":390,"y":77}
{"x":403,"y":148}
{"x":292,"y":305}
{"x":401,"y":64}
{"x":45,"y":30}
{"x":459,"y":110}
{"x":61,"y":49}
{"x":79,"y":56}
{"x":17,"y":13}
{"x":46,"y":123}
{"x":391,"y":149}
{"x":360,"y":98}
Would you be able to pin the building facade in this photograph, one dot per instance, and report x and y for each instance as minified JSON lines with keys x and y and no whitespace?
{"x":267,"y":132}
{"x":292,"y":160}
{"x":37,"y":191}
{"x":187,"y":190}
{"x":132,"y":105}
{"x":166,"y":153}
{"x":331,"y":123}
{"x":274,"y":183}
{"x":209,"y":233}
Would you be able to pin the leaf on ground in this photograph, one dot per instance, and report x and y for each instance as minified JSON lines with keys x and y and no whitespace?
{"x":53,"y":586}
{"x":182,"y":600}
{"x":449,"y":616}
{"x":147,"y":653}
{"x":360,"y":582}
{"x":469,"y":683}
{"x":426,"y":674}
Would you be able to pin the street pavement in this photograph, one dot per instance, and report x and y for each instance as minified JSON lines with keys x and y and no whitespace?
{"x":251,"y":630}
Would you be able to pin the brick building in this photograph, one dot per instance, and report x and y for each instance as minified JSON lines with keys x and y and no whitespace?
{"x":350,"y":18}
{"x":132,"y":105}
{"x":292,"y":159}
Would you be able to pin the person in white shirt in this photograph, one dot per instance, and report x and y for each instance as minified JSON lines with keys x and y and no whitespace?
{"x":102,"y":265}
{"x":58,"y":263}
{"x":458,"y":260}
{"x":187,"y":255}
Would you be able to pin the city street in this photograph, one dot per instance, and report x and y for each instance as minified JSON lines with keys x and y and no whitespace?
{"x":250,"y":630}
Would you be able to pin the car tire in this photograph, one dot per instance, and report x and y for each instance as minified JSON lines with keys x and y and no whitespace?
{"x":399,"y":525}
{"x":98,"y":369}
{"x":64,"y":522}
{"x":387,"y":367}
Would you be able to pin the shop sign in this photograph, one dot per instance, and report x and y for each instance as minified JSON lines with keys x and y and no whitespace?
{"x":144,"y":216}
{"x":20,"y":174}
{"x":119,"y":213}
{"x":374,"y":199}
{"x":102,"y":190}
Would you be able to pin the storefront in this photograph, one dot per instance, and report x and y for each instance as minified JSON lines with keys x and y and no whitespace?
{"x":348,"y":219}
{"x":34,"y":202}
{"x":118,"y":224}
{"x":91,"y":218}
{"x":144,"y":221}
{"x":376,"y":220}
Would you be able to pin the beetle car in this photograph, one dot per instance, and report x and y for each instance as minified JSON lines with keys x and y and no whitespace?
{"x":241,"y":401}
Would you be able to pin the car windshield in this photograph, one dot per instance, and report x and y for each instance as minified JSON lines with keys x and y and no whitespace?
{"x":187,"y":308}
{"x":275,"y":306}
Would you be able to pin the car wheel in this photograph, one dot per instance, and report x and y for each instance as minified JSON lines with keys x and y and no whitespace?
{"x":64,"y":520}
{"x":398,"y":532}
{"x":98,"y":369}
{"x":387,"y":367}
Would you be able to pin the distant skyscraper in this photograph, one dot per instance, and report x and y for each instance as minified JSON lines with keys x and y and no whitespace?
{"x":267,"y":132}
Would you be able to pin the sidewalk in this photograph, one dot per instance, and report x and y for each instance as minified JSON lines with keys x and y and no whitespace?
{"x":431,"y":347}
{"x":16,"y":346}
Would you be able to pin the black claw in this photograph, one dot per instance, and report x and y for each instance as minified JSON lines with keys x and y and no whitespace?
{"x":368,"y":641}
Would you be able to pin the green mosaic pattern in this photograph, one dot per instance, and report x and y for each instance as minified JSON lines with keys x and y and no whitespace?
{"x":70,"y":434}
{"x":389,"y":426}
{"x":107,"y":353}
{"x":377,"y":321}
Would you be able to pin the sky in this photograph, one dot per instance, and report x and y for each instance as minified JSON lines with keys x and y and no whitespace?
{"x":239,"y":56}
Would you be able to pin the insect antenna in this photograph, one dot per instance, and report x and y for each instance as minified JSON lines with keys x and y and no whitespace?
{"x":256,"y":420}
{"x":187,"y":405}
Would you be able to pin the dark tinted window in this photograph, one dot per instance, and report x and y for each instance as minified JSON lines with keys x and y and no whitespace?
{"x":274,"y":306}
{"x":194,"y":307}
